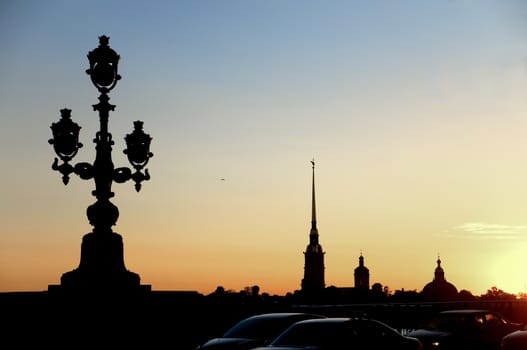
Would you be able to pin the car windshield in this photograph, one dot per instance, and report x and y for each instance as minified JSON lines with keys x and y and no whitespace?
{"x":261,"y":328}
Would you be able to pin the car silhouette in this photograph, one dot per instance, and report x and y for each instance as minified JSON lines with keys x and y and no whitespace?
{"x":516,"y":340}
{"x":468,"y":329}
{"x":332,"y":333}
{"x":255,"y":331}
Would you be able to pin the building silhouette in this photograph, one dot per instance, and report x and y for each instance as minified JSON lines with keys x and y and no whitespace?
{"x":362,"y":275}
{"x":313,"y":281}
{"x":439,"y":289}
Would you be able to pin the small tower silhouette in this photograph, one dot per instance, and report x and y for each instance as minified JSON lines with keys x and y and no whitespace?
{"x":362,"y":275}
{"x":313,"y":280}
{"x":439,"y":273}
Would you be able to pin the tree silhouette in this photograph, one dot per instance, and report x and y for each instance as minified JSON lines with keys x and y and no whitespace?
{"x":494,"y":293}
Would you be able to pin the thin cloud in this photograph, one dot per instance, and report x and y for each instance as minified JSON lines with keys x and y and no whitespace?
{"x":481,"y":230}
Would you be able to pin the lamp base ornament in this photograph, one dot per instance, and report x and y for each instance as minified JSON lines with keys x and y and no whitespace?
{"x":101,"y":269}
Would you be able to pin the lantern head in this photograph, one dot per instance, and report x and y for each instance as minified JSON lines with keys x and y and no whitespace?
{"x":65,"y":139}
{"x":104,"y":63}
{"x":138,"y":146}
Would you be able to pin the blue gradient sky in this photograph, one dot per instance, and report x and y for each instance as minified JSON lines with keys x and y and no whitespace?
{"x":414,"y":111}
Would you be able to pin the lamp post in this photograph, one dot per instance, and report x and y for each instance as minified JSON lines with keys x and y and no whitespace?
{"x":101,"y":264}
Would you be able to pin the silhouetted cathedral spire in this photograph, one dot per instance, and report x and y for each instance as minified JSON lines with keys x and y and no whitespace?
{"x":313,"y":280}
{"x":313,"y":235}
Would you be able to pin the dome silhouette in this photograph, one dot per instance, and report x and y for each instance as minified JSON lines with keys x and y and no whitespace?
{"x":439,"y":289}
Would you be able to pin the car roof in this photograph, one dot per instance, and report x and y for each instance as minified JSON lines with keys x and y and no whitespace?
{"x":334,"y":320}
{"x":282,"y":315}
{"x":466,"y":311}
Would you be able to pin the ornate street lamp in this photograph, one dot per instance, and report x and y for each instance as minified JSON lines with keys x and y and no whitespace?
{"x":101,"y":264}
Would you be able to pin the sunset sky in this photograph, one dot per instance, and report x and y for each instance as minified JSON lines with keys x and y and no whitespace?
{"x":414,"y":111}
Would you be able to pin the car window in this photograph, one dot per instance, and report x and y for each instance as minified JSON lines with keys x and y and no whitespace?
{"x":337,"y":335}
{"x":493,"y":321}
{"x":316,"y":334}
{"x":456,"y":322}
{"x":445,"y":322}
{"x":368,"y":329}
{"x":493,"y":318}
{"x":467,"y":322}
{"x":373,"y":333}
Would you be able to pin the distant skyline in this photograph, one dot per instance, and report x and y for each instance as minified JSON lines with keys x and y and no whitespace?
{"x":415,"y":113}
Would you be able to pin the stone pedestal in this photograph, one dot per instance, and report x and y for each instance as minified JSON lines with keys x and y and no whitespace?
{"x":101,"y":267}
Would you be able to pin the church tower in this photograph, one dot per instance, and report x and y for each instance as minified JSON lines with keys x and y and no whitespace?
{"x":362,"y":275}
{"x":313,"y":280}
{"x":439,"y":289}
